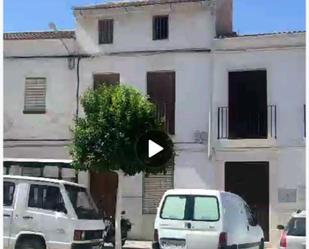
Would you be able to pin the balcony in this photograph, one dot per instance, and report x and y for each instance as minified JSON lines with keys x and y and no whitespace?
{"x":248,"y":125}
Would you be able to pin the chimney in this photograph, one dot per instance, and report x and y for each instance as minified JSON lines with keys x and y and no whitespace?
{"x":224,"y":17}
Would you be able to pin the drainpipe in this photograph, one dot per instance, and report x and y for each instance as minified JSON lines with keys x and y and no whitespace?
{"x":77,"y":87}
{"x":210,"y":95}
{"x":210,"y":99}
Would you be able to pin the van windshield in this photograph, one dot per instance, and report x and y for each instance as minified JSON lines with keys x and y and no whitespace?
{"x":82,"y":203}
{"x":189,"y":207}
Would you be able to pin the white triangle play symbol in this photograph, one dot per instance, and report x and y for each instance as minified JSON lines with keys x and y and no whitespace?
{"x":153,"y":148}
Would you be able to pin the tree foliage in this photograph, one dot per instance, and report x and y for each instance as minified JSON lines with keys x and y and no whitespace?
{"x":104,"y":139}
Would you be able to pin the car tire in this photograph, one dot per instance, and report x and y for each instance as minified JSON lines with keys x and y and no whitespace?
{"x":30,"y":244}
{"x":261,"y":246}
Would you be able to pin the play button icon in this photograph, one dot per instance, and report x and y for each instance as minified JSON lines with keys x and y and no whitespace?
{"x":154,"y":149}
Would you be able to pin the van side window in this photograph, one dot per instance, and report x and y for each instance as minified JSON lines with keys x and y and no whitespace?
{"x":206,"y":208}
{"x":174,"y":207}
{"x":45,"y":197}
{"x":8,"y":193}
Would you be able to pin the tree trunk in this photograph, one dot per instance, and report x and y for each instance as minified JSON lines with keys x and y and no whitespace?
{"x":118,"y":212}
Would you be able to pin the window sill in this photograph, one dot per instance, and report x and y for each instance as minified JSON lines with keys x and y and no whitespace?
{"x":246,"y":143}
{"x":163,"y":39}
{"x":34,"y":111}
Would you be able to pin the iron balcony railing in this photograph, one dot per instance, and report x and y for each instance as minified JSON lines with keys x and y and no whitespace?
{"x":258,"y":127}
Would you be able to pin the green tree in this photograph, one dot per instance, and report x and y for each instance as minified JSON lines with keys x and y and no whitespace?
{"x":104,"y":139}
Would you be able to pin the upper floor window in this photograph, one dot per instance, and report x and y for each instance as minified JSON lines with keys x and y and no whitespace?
{"x":161,"y":90}
{"x":106,"y":31}
{"x":105,"y":78}
{"x":160,"y":27}
{"x":35,"y":95}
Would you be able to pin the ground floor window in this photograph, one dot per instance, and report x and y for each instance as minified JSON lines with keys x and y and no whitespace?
{"x":54,"y":170}
{"x":154,"y":186}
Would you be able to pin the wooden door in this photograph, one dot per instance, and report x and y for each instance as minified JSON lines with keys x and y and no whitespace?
{"x":103,"y":187}
{"x":250,"y":180}
{"x":161,"y":90}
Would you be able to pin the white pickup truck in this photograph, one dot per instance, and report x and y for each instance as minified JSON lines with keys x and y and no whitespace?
{"x":41,"y":213}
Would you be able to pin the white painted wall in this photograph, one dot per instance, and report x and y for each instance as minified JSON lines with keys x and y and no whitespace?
{"x":39,"y":47}
{"x":283,"y":56}
{"x":192,"y":79}
{"x":60,"y":99}
{"x":285,"y":68}
{"x":191,"y":25}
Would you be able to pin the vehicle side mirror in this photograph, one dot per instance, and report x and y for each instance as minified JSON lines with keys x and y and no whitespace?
{"x":280,"y":227}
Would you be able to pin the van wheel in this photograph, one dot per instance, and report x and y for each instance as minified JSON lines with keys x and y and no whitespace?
{"x":261,"y":246}
{"x":30,"y":244}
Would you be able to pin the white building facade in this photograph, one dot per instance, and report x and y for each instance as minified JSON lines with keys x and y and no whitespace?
{"x":208,"y":68}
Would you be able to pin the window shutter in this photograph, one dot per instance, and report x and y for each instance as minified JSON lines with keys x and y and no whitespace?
{"x":160,"y":28}
{"x":35,"y":95}
{"x":154,"y":187}
{"x":106,"y":31}
{"x":161,"y":90}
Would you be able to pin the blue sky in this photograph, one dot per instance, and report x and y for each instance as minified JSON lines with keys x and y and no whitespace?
{"x":250,"y":16}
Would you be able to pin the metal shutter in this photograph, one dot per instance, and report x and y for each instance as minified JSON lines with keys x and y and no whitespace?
{"x":35,"y":94}
{"x":154,"y":188}
{"x":106,"y":31}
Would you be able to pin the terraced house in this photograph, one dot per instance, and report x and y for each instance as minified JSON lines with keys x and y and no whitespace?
{"x":234,"y":104}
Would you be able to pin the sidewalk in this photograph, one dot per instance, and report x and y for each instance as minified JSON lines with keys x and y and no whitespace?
{"x":134,"y":244}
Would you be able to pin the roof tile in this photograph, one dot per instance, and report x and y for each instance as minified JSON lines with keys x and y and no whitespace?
{"x":39,"y":35}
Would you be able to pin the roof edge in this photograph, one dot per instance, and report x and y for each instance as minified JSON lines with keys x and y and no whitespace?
{"x":235,"y":35}
{"x":124,"y":4}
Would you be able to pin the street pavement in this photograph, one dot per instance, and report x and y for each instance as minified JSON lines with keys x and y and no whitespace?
{"x":133,"y":244}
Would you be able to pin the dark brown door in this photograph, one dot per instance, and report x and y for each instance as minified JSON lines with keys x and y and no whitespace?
{"x":250,"y":180}
{"x":247,"y":104}
{"x":103,"y":188}
{"x":161,"y":89}
{"x":107,"y":78}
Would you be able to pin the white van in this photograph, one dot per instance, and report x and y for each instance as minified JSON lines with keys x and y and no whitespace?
{"x":41,"y":213}
{"x":205,"y":219}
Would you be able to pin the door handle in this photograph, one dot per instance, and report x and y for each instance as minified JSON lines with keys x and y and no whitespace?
{"x":188,"y":225}
{"x":27,"y":217}
{"x":6,"y":215}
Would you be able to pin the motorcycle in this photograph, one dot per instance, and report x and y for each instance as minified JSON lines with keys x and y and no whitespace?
{"x":109,"y":232}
